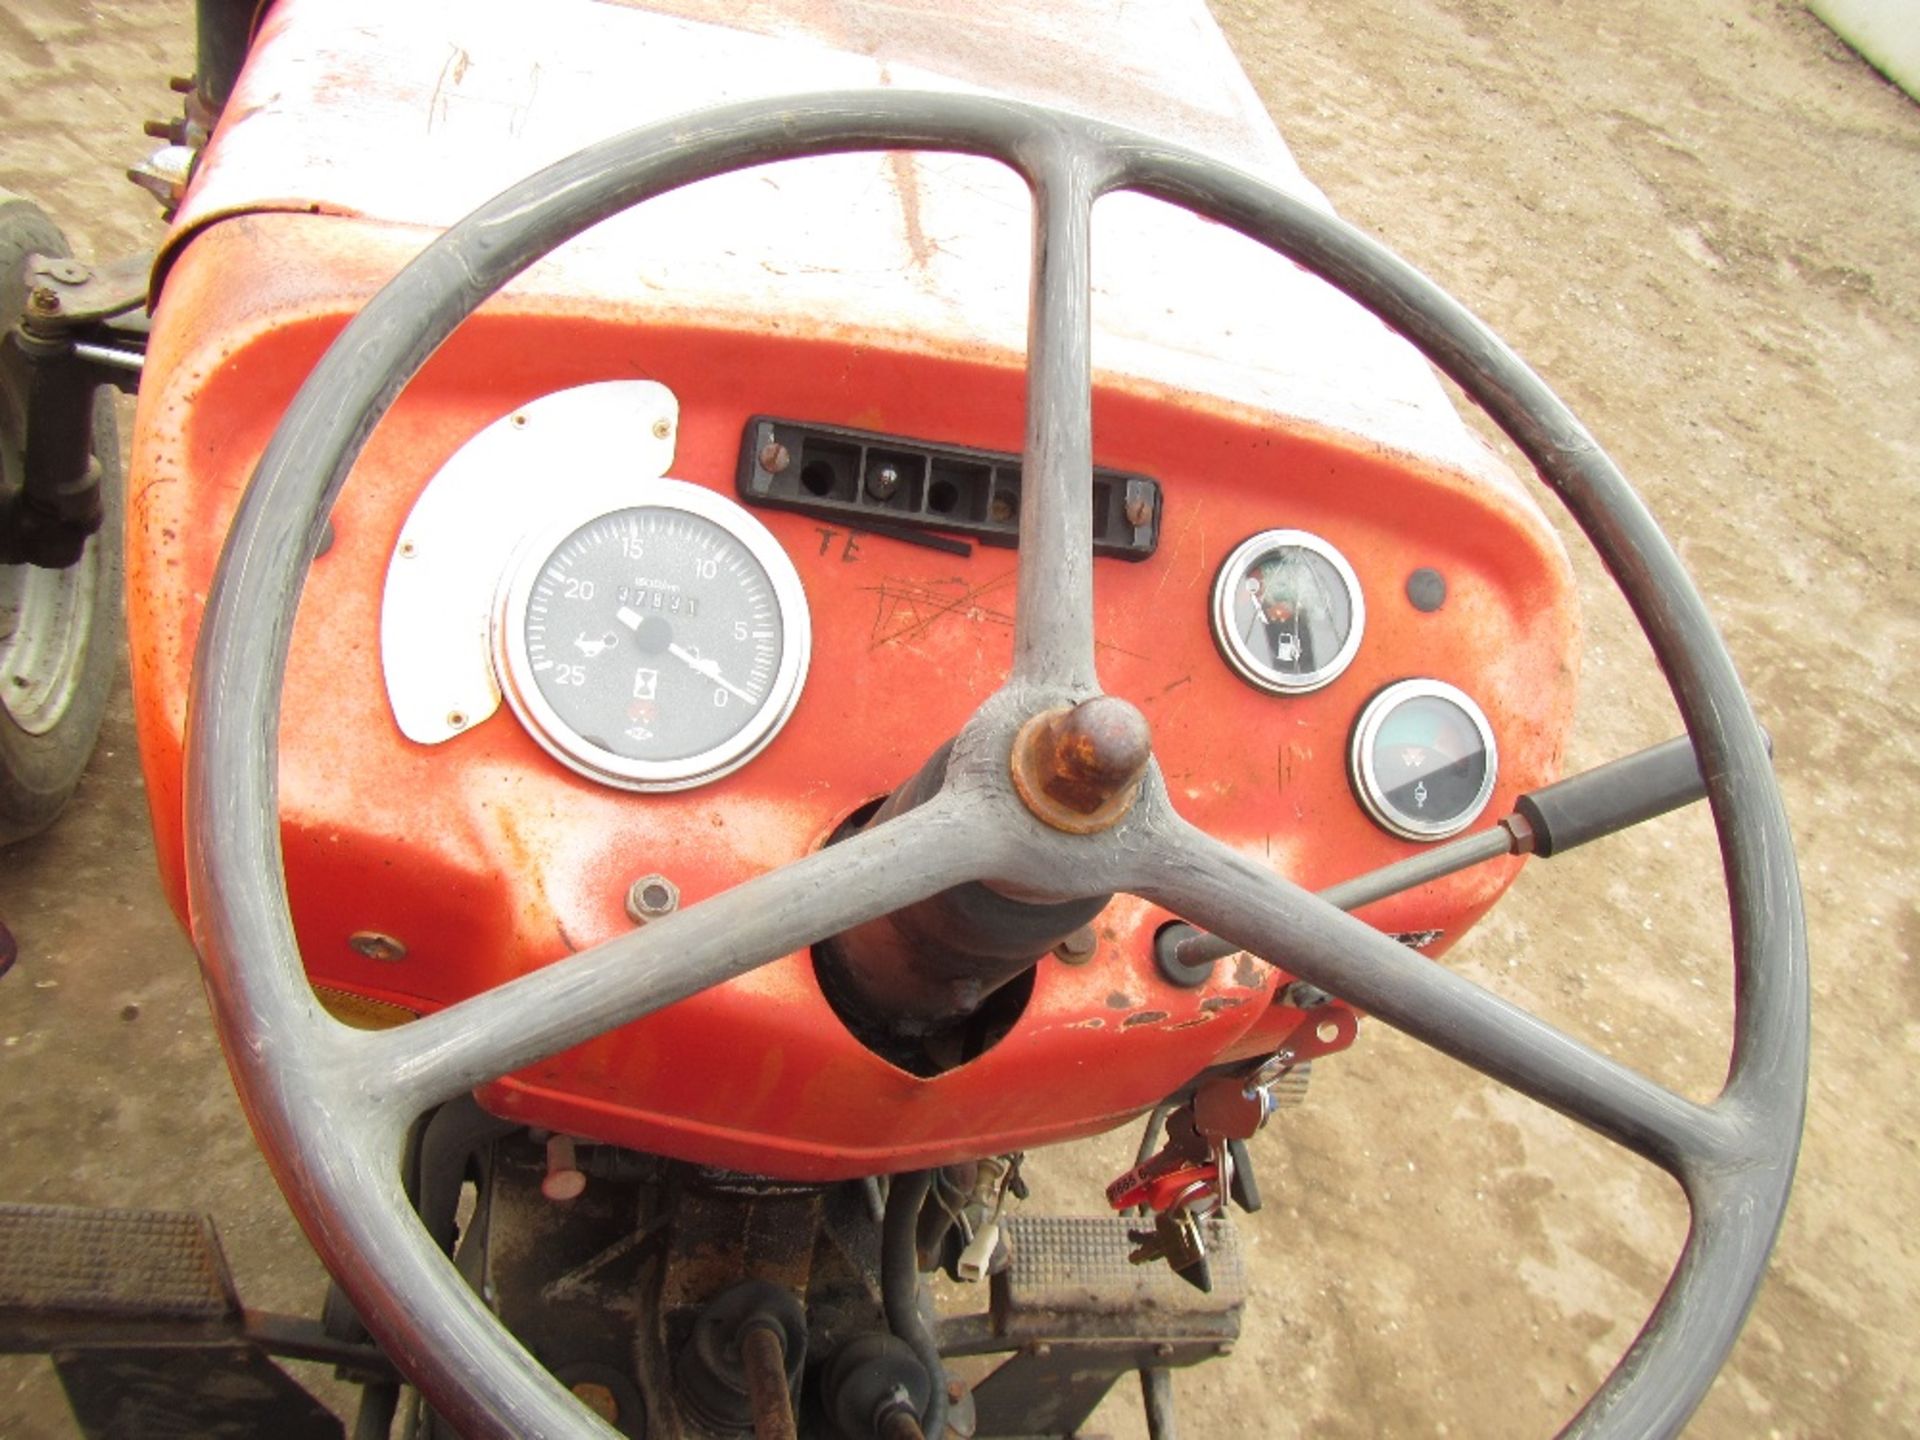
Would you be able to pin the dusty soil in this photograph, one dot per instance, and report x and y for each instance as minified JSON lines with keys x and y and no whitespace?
{"x":1696,"y":218}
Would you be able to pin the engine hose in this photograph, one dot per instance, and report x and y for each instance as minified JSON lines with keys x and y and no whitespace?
{"x":900,"y":1289}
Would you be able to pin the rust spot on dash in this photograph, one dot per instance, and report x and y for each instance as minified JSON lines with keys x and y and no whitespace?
{"x":1214,"y":1004}
{"x":1143,"y":1017}
{"x":1248,"y":973}
{"x":1120,"y":1000}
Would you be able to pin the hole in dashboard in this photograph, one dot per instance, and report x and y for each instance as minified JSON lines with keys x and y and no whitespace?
{"x":927,"y":1053}
{"x":830,"y":470}
{"x":816,"y":478}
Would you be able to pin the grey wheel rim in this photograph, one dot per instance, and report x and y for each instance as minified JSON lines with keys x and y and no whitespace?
{"x":46,"y":619}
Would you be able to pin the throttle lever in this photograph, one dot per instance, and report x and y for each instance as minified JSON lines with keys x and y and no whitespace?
{"x":1609,"y":798}
{"x":1557,"y":817}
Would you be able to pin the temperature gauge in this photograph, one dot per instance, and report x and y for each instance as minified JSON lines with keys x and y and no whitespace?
{"x":1287,"y":611}
{"x":656,"y":643}
{"x":1423,"y":759}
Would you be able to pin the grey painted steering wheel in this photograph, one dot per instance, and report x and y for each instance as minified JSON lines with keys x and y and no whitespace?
{"x":331,"y":1105}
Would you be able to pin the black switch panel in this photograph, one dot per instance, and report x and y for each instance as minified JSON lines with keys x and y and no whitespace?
{"x":895,"y":483}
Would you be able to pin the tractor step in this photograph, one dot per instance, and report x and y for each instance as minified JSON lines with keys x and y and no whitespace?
{"x":1077,"y":1315}
{"x":140,"y":1315}
{"x":63,"y":1267}
{"x":1074,"y":1269}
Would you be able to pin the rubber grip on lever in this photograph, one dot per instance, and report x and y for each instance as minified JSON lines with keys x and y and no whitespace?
{"x":1609,"y":798}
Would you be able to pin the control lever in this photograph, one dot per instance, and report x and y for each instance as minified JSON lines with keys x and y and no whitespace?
{"x":1602,"y":801}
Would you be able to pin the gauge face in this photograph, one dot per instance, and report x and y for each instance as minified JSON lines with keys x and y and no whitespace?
{"x":1287,"y":611}
{"x":1423,"y":759}
{"x":657,"y":644}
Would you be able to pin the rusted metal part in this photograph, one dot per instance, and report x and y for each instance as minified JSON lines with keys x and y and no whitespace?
{"x":1078,"y":768}
{"x":65,"y":294}
{"x":376,"y":945}
{"x":898,"y":1422}
{"x":763,"y":1361}
{"x":742,"y":1362}
{"x":1079,"y":947}
{"x":650,"y":897}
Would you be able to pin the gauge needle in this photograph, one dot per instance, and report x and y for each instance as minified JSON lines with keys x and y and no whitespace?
{"x":710,"y":669}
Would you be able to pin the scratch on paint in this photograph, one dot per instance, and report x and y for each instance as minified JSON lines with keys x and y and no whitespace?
{"x":906,"y":184}
{"x":454,"y":70}
{"x":907,"y":609}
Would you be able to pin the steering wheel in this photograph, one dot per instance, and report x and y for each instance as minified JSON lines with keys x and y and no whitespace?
{"x":331,"y":1106}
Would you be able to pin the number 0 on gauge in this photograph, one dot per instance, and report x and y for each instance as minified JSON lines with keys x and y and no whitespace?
{"x":656,"y":643}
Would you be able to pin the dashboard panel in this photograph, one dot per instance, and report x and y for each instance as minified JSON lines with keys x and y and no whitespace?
{"x":482,"y":855}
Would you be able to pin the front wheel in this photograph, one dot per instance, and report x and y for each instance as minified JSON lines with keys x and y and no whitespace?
{"x":56,"y":626}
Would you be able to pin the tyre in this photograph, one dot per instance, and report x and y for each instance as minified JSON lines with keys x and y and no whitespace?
{"x":58,"y":628}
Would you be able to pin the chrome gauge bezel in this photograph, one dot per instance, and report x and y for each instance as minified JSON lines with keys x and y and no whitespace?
{"x":1251,"y":667}
{"x":1366,"y":782}
{"x":515,"y":669}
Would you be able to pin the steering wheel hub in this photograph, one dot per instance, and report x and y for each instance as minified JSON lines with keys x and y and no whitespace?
{"x":1079,"y":767}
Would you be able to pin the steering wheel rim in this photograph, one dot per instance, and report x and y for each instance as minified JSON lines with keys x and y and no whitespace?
{"x":330,"y":1106}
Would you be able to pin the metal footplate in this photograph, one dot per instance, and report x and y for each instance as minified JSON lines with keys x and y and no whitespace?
{"x":139,"y":1311}
{"x":66,"y":1270}
{"x":1078,"y":1316}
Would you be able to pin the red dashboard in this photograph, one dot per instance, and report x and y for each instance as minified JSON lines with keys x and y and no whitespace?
{"x":421,"y":873}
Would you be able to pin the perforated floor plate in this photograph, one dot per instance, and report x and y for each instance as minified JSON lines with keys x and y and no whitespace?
{"x":1077,"y":1264}
{"x":111,"y":1265}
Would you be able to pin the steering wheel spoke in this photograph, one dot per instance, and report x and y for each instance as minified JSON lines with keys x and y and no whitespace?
{"x":1236,"y":897}
{"x":1053,"y":618}
{"x":488,"y":1035}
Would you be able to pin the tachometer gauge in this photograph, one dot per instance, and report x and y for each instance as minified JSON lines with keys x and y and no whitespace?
{"x":657,"y":643}
{"x":1287,"y":611}
{"x":1423,"y":760}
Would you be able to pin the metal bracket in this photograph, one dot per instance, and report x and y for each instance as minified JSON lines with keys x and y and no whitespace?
{"x":64,"y":295}
{"x":82,"y":328}
{"x":464,"y":528}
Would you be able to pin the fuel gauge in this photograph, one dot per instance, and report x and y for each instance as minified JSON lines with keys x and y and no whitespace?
{"x":1287,"y":611}
{"x":1423,"y":759}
